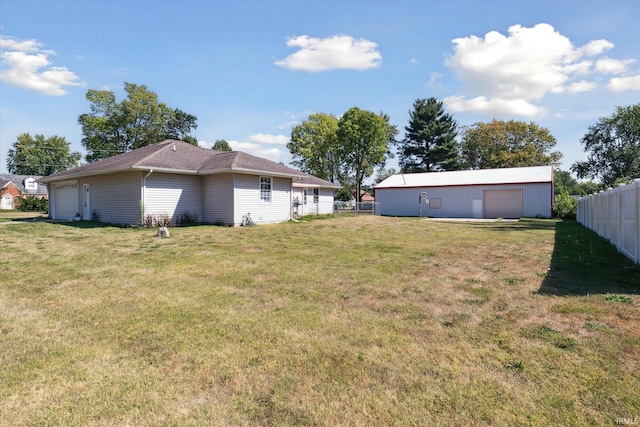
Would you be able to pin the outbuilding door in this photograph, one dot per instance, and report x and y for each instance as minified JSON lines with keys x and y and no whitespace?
{"x":503,"y":204}
{"x":66,"y":200}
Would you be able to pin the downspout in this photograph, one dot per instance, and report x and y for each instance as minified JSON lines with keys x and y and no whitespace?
{"x":144,"y":190}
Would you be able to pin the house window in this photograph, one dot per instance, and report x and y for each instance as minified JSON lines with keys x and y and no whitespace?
{"x":265,"y":189}
{"x":304,"y":196}
{"x":315,"y":196}
{"x":435,"y":203}
{"x":30,"y":184}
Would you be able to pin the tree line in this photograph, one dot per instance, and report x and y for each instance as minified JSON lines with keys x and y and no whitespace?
{"x":347,"y":149}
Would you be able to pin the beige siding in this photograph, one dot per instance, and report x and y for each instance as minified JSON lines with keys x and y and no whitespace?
{"x":217,"y":194}
{"x":247,"y":200}
{"x":116,"y":197}
{"x":172,"y":194}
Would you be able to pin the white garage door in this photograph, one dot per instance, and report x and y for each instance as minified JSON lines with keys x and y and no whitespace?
{"x":503,"y":204}
{"x":66,"y":200}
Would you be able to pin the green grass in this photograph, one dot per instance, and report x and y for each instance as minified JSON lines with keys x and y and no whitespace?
{"x":344,"y":321}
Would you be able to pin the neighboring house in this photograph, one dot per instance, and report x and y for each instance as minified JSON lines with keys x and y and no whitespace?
{"x":313,"y":196}
{"x":173,"y":178}
{"x":365,"y":197}
{"x":14,"y":186}
{"x":484,"y":193}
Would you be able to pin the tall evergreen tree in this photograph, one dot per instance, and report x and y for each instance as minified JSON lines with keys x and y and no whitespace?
{"x":430,"y":143}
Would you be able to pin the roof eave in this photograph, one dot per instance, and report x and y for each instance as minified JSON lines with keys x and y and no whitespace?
{"x":54,"y":178}
{"x":165,"y":170}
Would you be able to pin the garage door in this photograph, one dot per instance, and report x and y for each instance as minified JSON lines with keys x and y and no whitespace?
{"x":66,"y":200}
{"x":503,"y":204}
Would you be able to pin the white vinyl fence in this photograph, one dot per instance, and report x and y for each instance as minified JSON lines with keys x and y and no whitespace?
{"x":615,"y":215}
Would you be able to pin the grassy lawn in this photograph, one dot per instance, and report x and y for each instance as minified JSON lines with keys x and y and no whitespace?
{"x":14,"y":215}
{"x":346,"y":321}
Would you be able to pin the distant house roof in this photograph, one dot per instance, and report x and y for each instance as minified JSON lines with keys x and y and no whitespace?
{"x":365,"y":196}
{"x":535,"y":174}
{"x":179,"y":157}
{"x":310,"y":181}
{"x":19,"y":182}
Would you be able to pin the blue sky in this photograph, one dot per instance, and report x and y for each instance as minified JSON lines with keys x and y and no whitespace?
{"x":250,"y":70}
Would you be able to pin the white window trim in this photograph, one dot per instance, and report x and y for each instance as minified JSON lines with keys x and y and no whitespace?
{"x":266,"y":191}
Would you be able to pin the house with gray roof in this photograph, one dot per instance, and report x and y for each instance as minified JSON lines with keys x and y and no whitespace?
{"x":14,"y":186}
{"x":173,"y":178}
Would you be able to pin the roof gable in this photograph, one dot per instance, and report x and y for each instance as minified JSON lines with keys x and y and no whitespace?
{"x":179,"y":157}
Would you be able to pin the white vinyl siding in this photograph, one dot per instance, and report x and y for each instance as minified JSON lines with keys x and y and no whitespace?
{"x":248,"y":200}
{"x":116,"y":197}
{"x":458,"y":201}
{"x":173,"y":195}
{"x":218,"y":198}
{"x":324,"y":204}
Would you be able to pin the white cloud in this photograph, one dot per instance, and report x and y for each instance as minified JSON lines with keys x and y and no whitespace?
{"x":596,"y":47}
{"x":581,"y":86}
{"x":336,"y":52}
{"x":25,"y":64}
{"x":414,"y":61}
{"x":621,"y":84}
{"x":263,"y":138}
{"x":261,"y":145}
{"x":612,"y":66}
{"x":484,"y":105}
{"x":433,"y":81}
{"x":288,"y":125}
{"x":510,"y":71}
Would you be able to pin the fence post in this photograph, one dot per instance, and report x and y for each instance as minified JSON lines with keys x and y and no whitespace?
{"x":636,"y":192}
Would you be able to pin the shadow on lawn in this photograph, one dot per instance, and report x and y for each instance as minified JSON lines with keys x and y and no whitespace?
{"x":584,"y":263}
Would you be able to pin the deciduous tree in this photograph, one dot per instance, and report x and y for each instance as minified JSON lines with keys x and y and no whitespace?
{"x":40,"y":156}
{"x":613,"y":145}
{"x":117,"y":127}
{"x":222,"y":145}
{"x":430,"y":143}
{"x":501,"y":144}
{"x":314,"y":147}
{"x":363,"y":138}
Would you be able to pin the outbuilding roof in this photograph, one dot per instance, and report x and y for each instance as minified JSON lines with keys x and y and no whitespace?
{"x":179,"y":157}
{"x":534,"y":174}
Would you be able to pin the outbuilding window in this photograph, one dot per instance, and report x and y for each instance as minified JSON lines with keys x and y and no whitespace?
{"x":435,"y":203}
{"x":304,"y":196}
{"x":315,"y":196}
{"x":265,"y":189}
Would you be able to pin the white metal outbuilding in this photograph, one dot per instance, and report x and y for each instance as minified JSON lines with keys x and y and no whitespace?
{"x":483,"y":193}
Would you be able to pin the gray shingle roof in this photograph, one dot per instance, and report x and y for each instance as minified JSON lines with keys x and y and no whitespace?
{"x":18,"y":181}
{"x":179,"y":157}
{"x":313,"y":181}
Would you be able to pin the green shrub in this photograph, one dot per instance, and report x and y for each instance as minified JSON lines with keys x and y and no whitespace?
{"x":187,"y":217}
{"x":565,"y":206}
{"x":32,"y":204}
